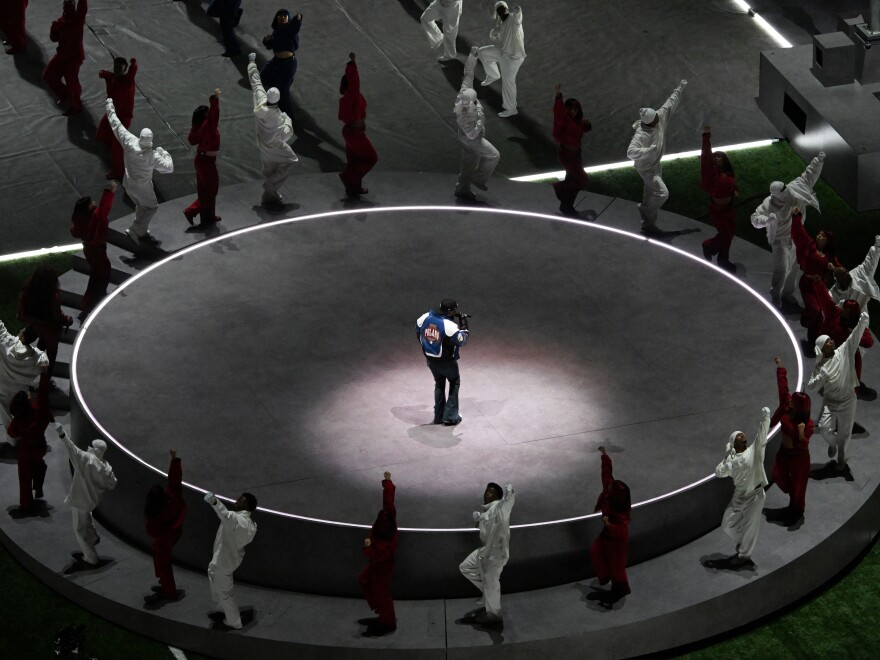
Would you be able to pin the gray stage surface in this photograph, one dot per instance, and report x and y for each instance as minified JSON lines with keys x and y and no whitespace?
{"x":615,"y":57}
{"x":285,"y":360}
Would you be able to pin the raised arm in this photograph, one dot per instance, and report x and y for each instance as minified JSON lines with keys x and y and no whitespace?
{"x":851,"y":344}
{"x":174,"y":486}
{"x":256,"y":84}
{"x":82,"y":8}
{"x":353,"y":78}
{"x":126,"y":139}
{"x":213,"y":118}
{"x":132,"y":70}
{"x":763,"y":427}
{"x":388,"y":490}
{"x":222,"y":512}
{"x":814,"y":169}
{"x":708,"y":172}
{"x":800,"y":237}
{"x":508,"y":500}
{"x":516,"y":15}
{"x":7,"y":339}
{"x":467,"y":79}
{"x":674,"y":99}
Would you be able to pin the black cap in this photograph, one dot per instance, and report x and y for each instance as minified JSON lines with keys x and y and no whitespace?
{"x":447,"y":305}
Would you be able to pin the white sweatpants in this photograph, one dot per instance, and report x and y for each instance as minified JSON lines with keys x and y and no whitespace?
{"x":654,"y":195}
{"x":486,"y":576}
{"x":221,"y":591}
{"x":836,"y":422}
{"x":478,"y":160}
{"x":742,"y":520}
{"x":450,"y":16}
{"x":785,"y":269}
{"x":145,"y":205}
{"x":86,"y":536}
{"x":276,"y":174}
{"x":498,"y":65}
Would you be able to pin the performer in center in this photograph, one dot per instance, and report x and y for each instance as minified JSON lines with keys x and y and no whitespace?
{"x":441,"y":337}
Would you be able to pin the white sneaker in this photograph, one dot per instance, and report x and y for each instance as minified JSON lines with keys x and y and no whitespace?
{"x":133,"y":237}
{"x":507,"y":113}
{"x":489,"y":81}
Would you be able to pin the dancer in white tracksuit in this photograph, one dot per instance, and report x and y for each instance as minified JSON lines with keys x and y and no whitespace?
{"x":646,"y":149}
{"x":858,"y":284}
{"x":92,"y":476}
{"x":20,"y":364}
{"x":235,"y":532}
{"x":774,"y":214}
{"x":140,"y":161}
{"x":835,"y":375}
{"x":478,"y":157}
{"x":274,"y":129}
{"x":449,"y":12}
{"x":506,"y":54}
{"x":484,"y":565}
{"x":742,"y":518}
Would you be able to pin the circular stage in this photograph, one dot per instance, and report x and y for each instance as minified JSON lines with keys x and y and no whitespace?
{"x":282,"y":360}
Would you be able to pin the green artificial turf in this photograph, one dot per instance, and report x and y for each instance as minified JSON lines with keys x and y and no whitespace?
{"x":32,"y":614}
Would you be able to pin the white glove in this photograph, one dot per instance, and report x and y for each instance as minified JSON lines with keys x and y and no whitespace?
{"x":877,"y":241}
{"x":821,"y":156}
{"x":108,"y":105}
{"x":59,"y":429}
{"x":252,"y":57}
{"x":475,"y":50}
{"x":683,"y":83}
{"x":509,"y":488}
{"x":765,"y":412}
{"x":772,"y":217}
{"x":864,"y":317}
{"x":209,"y":498}
{"x":476,"y":516}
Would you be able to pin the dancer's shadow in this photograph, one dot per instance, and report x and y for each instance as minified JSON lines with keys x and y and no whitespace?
{"x":668,"y":236}
{"x":435,"y":436}
{"x":248,"y":617}
{"x":39,"y":509}
{"x":275,"y":212}
{"x":8,"y":453}
{"x":830,"y":471}
{"x":719,"y":562}
{"x":496,"y":634}
{"x":79,"y":565}
{"x":30,"y":64}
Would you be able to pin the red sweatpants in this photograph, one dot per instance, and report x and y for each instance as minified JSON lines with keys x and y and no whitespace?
{"x":207,"y":186}
{"x":609,"y":560}
{"x":791,"y":471}
{"x":724,"y":219}
{"x":70,"y":89}
{"x":99,"y":264}
{"x":117,"y":155}
{"x":360,"y":158}
{"x":811,"y":317}
{"x":31,"y":473}
{"x":575,"y":178}
{"x":163,"y":566}
{"x":12,"y":22}
{"x":376,"y":587}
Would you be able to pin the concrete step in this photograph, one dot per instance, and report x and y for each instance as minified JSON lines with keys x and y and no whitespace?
{"x":117,"y":275}
{"x":121,"y":240}
{"x":68,"y":336}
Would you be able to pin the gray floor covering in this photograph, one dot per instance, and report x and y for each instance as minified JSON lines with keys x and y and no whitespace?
{"x":293,"y":347}
{"x":615,"y":57}
{"x":675,"y":600}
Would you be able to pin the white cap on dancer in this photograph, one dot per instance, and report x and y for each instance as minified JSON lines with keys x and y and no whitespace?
{"x":777,"y":189}
{"x":98,"y":448}
{"x":732,"y":439}
{"x":146,"y":138}
{"x":273,"y":95}
{"x":498,"y":4}
{"x":647,"y":115}
{"x":820,"y":342}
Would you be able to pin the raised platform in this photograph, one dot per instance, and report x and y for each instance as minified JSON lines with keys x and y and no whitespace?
{"x":675,"y":600}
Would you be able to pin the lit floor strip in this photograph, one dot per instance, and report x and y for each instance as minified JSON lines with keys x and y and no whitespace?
{"x":40,"y":252}
{"x":628,"y":163}
{"x":769,"y":29}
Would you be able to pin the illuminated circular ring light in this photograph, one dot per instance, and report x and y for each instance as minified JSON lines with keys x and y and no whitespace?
{"x":74,"y":380}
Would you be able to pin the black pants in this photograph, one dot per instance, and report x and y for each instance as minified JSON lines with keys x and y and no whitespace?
{"x":445,"y":407}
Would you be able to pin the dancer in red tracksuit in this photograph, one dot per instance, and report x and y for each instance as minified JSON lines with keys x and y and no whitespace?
{"x":30,"y":417}
{"x":67,"y":31}
{"x":380,"y":547}
{"x":205,"y":135}
{"x":12,"y":22}
{"x":359,"y":152}
{"x":608,"y":552}
{"x":717,"y":179}
{"x":164,"y":513}
{"x":569,"y":127}
{"x":120,"y":88}
{"x":90,"y":223}
{"x":816,"y":259}
{"x":791,"y":469}
{"x":39,"y":306}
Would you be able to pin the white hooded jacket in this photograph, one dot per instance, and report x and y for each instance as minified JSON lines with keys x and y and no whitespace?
{"x":235,"y":532}
{"x":640,"y":150}
{"x":468,"y":110}
{"x":747,"y":468}
{"x":91,"y":476}
{"x":798,"y":192}
{"x":494,"y":521}
{"x":863,"y":287}
{"x":140,"y":156}
{"x":836,"y":376}
{"x":508,"y":34}
{"x":274,"y":128}
{"x":19,"y":366}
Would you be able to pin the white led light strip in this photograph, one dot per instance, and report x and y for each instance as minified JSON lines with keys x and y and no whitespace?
{"x":74,"y":380}
{"x":628,"y":163}
{"x":769,"y":29}
{"x":40,"y":252}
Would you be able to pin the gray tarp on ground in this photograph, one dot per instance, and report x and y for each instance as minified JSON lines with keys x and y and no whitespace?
{"x":614,"y":56}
